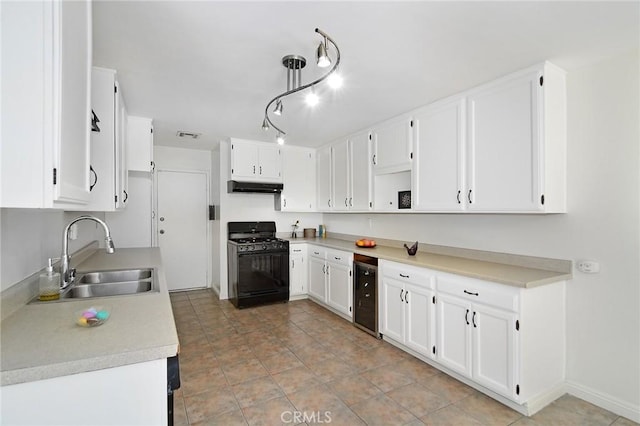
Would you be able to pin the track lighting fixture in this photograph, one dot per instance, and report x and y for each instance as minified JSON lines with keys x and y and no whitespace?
{"x":278,"y":109}
{"x":294,"y":65}
{"x":322,"y":58}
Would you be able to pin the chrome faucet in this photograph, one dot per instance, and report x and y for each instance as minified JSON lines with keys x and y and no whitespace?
{"x":67,"y":273}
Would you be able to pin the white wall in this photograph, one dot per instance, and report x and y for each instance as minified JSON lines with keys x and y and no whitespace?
{"x":29,"y":236}
{"x":603,"y":223}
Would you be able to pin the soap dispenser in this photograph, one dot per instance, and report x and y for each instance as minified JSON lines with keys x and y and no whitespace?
{"x":49,"y":283}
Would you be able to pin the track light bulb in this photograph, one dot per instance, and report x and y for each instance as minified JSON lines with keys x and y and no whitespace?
{"x":280,"y":139}
{"x":278,"y":109}
{"x":312,"y":99}
{"x":323,"y":59}
{"x":265,"y":124}
{"x":335,"y":80}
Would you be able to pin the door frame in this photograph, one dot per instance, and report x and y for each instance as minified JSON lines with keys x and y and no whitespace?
{"x":156,"y":216}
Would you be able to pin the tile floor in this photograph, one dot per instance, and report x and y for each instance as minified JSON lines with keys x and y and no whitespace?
{"x":297,"y":363}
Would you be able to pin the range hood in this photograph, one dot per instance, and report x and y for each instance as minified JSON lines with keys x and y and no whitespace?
{"x":259,"y":187}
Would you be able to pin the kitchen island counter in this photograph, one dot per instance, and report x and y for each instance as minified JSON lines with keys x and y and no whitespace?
{"x":513,"y":270}
{"x":42,"y":341}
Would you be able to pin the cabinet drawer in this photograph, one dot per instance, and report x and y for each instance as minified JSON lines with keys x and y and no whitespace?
{"x":477,"y":291}
{"x":316,"y":251}
{"x":341,"y":257}
{"x":299,"y":249}
{"x":408,"y":274}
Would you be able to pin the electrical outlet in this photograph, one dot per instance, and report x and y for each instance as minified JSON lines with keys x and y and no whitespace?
{"x":588,"y":266}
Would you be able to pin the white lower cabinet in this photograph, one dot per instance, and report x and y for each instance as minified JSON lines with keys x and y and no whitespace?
{"x":119,"y":387}
{"x":478,"y":341}
{"x":330,"y":282}
{"x":339,"y":284}
{"x":317,"y":273}
{"x":298,"y":270}
{"x":407,"y":306}
{"x":504,"y":340}
{"x":509,"y":340}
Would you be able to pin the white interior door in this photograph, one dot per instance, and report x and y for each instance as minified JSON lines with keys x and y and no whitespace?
{"x":182,"y":228}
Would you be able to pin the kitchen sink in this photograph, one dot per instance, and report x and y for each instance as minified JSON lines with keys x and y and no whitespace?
{"x":110,"y":283}
{"x":127,"y":275}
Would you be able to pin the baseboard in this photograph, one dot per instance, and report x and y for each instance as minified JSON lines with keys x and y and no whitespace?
{"x":537,"y":403}
{"x":607,"y":402}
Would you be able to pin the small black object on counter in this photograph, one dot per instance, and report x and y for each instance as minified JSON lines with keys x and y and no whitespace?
{"x":413,"y":249}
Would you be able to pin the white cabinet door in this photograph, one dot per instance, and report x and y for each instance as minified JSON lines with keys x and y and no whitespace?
{"x":244,"y":160}
{"x":317,"y":278}
{"x":122,"y":174}
{"x":323,"y":184}
{"x":494,"y":349}
{"x":299,"y":180}
{"x":341,"y":181}
{"x":392,"y":142}
{"x":109,"y":180}
{"x":339,"y":282}
{"x":420,"y":319}
{"x":454,"y":334}
{"x":139,"y":144}
{"x":46,"y":111}
{"x":74,"y":80}
{"x":504,"y":146}
{"x":392,"y":309}
{"x":298,"y":271}
{"x":270,"y":163}
{"x":360,"y":154}
{"x":438,"y":173}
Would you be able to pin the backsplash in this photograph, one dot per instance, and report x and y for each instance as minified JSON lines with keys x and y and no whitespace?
{"x":29,"y":236}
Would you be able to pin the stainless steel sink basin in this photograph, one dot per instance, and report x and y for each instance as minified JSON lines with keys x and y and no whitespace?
{"x":80,"y":291}
{"x":110,"y":283}
{"x":115,"y":276}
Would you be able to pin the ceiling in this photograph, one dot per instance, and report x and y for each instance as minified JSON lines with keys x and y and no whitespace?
{"x":210,"y":67}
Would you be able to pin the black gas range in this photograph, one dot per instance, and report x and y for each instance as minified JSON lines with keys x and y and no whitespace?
{"x":258,"y":264}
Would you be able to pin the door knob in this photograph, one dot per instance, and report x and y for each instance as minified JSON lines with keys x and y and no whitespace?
{"x":162,"y":231}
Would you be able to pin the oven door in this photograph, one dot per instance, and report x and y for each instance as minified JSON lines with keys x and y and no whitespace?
{"x":263,"y":274}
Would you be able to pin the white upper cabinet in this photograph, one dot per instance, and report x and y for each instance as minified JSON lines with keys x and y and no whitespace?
{"x":351,"y":173}
{"x":255,"y":161}
{"x":323,"y":173}
{"x":516,"y":143}
{"x":361,"y":182}
{"x":341,"y":175}
{"x":139,"y":144}
{"x":108,"y":144}
{"x":438,"y":172}
{"x":392,"y":146}
{"x":500,"y":147}
{"x":46,"y":113}
{"x":299,"y":180}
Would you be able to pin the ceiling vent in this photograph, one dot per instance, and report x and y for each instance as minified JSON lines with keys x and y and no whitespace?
{"x":192,"y":135}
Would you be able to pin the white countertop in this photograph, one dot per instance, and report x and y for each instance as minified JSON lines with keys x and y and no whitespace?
{"x":528,"y":274}
{"x":42,"y":341}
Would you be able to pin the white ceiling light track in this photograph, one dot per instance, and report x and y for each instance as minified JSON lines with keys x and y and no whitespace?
{"x":294,"y":65}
